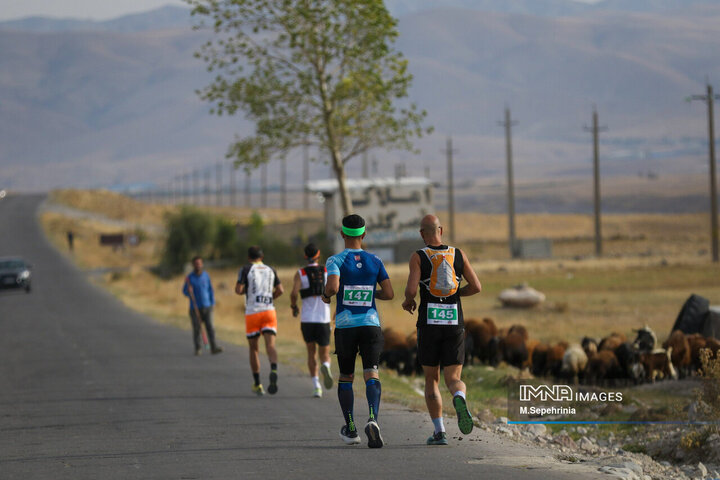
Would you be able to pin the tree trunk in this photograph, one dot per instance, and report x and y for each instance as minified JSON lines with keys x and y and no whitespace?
{"x":345,"y":199}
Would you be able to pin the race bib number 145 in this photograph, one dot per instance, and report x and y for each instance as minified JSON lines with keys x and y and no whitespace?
{"x":442,"y":314}
{"x":358,"y":295}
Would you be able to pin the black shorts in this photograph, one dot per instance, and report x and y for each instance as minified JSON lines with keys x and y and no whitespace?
{"x":316,"y":333}
{"x":441,"y":345}
{"x":368,"y":341}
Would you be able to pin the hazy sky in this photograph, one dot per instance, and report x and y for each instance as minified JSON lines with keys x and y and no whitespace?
{"x":83,"y":9}
{"x":86,"y":9}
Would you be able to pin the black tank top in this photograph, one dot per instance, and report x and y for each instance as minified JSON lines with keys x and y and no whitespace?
{"x":316,"y":281}
{"x":427,"y":298}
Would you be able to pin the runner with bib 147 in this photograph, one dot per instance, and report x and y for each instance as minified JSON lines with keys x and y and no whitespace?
{"x":352,"y":276}
{"x":439,"y":269}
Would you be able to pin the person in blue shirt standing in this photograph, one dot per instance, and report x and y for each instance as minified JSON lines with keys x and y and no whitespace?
{"x":198,"y":288}
{"x":352,"y":276}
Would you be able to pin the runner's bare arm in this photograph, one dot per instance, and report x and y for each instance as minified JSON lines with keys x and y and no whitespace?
{"x":294,"y":294}
{"x":386,"y":291}
{"x":473,"y":286}
{"x":240,"y":288}
{"x":331,"y":287}
{"x":278,"y":290}
{"x":412,"y":284}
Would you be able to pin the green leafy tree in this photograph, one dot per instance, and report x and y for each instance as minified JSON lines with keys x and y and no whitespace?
{"x":321,"y":73}
{"x":189,"y":231}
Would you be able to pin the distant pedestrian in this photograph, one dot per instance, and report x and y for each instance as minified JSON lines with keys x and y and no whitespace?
{"x":261,"y":286}
{"x":353,"y":275}
{"x":309,"y":283}
{"x":70,"y":239}
{"x":198,"y":288}
{"x":439,"y":270}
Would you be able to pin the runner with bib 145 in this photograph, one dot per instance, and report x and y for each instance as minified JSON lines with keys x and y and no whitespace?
{"x":439,"y":269}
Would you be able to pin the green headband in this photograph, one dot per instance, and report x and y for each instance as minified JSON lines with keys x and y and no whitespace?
{"x":353,"y":232}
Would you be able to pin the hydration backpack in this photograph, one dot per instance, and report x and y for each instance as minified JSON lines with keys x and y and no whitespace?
{"x":316,"y":281}
{"x":443,"y":281}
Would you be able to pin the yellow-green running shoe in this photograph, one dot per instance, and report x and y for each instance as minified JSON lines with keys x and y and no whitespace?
{"x":465,"y":421}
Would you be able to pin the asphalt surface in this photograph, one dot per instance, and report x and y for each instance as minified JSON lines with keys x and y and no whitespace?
{"x":90,"y":389}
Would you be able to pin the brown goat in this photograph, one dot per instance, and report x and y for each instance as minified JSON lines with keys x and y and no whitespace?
{"x":481,"y":332}
{"x":553,"y":361}
{"x":713,"y":344}
{"x":590,"y":345}
{"x":680,"y":357}
{"x":603,"y":367}
{"x":696,"y":342}
{"x":612,"y":341}
{"x":531,"y":345}
{"x":396,"y":354}
{"x":539,"y":359}
{"x":658,"y":364}
{"x":520,"y":329}
{"x":513,"y":349}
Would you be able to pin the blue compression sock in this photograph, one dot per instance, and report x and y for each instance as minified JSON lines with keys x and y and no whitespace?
{"x":372,"y":392}
{"x":347,"y":401}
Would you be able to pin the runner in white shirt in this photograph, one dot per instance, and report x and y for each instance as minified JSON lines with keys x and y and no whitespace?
{"x":309,"y":284}
{"x":260,"y":285}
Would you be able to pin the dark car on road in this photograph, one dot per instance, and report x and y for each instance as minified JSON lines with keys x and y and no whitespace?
{"x":14,"y":273}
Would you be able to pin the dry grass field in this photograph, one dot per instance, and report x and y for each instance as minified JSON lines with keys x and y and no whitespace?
{"x":653,"y":263}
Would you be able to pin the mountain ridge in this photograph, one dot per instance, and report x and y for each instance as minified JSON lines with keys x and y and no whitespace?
{"x":96,"y":108}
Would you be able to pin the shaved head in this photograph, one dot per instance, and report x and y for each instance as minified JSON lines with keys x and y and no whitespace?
{"x":430,"y":223}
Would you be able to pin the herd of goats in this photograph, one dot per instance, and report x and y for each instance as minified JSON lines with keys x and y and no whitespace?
{"x":610,"y":360}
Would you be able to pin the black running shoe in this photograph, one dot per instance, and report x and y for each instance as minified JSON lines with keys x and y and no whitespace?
{"x":372,"y":430}
{"x":465,"y":421}
{"x":348,"y":436}
{"x":273,"y":388}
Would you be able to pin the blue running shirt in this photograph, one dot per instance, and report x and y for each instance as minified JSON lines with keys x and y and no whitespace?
{"x":359,"y":273}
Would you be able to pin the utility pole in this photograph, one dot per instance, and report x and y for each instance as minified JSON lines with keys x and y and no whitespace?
{"x":709,"y":99}
{"x":451,"y":188}
{"x":283,"y":183}
{"x":247,"y":188}
{"x":508,"y":124}
{"x":233,"y":186}
{"x":218,"y":184}
{"x":185,"y":183}
{"x":196,"y":186}
{"x":206,"y":200}
{"x":306,"y":177}
{"x":263,"y":185}
{"x":596,"y":129}
{"x":365,"y":166}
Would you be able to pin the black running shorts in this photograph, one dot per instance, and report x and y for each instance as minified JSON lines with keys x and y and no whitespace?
{"x":368,"y":341}
{"x":316,"y":333}
{"x":441,"y":345}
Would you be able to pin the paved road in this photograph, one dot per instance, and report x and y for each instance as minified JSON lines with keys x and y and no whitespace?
{"x":90,"y":389}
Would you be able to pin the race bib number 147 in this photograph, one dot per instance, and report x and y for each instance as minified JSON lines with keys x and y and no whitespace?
{"x":358,"y":295}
